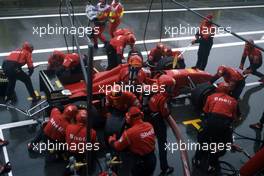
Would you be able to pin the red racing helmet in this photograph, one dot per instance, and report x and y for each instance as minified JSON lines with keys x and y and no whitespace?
{"x":81,"y":116}
{"x":28,"y":46}
{"x":131,"y":39}
{"x":135,"y":61}
{"x":70,"y":111}
{"x":133,"y":114}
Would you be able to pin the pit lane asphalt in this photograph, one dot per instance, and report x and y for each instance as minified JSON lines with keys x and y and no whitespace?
{"x":14,"y":32}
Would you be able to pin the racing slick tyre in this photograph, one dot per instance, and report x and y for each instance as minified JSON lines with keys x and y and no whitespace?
{"x":200,"y":93}
{"x":165,"y":63}
{"x":114,"y":125}
{"x":3,"y":83}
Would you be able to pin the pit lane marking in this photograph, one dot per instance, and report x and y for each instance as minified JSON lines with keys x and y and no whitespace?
{"x":136,"y":11}
{"x":5,"y":152}
{"x":194,"y":123}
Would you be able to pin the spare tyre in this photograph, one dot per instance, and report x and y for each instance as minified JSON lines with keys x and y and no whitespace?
{"x":200,"y":93}
{"x":114,"y":125}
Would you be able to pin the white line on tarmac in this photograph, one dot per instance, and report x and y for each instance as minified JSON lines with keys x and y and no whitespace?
{"x":137,"y":11}
{"x":17,"y":124}
{"x":38,"y":51}
{"x":253,"y":84}
{"x":5,"y":152}
{"x":144,"y":53}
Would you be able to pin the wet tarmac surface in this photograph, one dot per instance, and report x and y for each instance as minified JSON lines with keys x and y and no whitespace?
{"x":14,"y":31}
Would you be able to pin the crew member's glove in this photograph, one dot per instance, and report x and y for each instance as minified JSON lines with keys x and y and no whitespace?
{"x":112,"y":139}
{"x":30,"y":71}
{"x":241,"y":67}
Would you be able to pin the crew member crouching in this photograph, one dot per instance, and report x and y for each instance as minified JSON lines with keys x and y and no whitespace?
{"x":139,"y":139}
{"x":76,"y":136}
{"x":255,"y":59}
{"x":60,"y":62}
{"x":54,"y":129}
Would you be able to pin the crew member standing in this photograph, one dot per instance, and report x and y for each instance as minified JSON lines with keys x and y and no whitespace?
{"x":100,"y":22}
{"x":205,"y":38}
{"x":115,"y":49}
{"x":117,"y":11}
{"x":139,"y":139}
{"x":158,"y":106}
{"x":233,"y":78}
{"x":255,"y":60}
{"x":12,"y":67}
{"x":220,"y":111}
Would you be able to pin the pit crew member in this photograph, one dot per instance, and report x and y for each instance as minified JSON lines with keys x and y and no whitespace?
{"x":12,"y":67}
{"x":233,"y":78}
{"x":139,"y":139}
{"x":205,"y":38}
{"x":159,"y":110}
{"x":255,"y":60}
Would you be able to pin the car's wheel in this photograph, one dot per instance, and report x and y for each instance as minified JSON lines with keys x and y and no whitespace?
{"x":200,"y":93}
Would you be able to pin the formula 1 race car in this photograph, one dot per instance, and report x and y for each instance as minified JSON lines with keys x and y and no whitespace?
{"x":72,"y":87}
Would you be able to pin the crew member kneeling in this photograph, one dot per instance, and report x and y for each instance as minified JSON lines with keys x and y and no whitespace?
{"x":220,"y":111}
{"x":140,"y":140}
{"x":12,"y":67}
{"x":54,"y":129}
